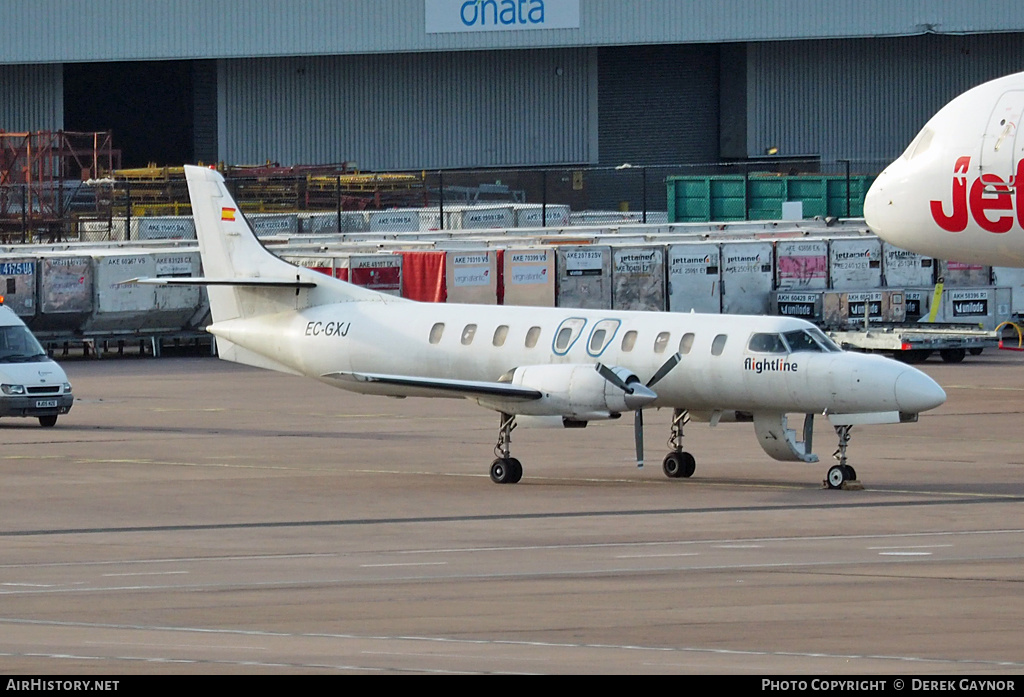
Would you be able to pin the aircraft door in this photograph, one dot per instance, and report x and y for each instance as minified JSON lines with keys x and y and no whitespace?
{"x":1001,"y":146}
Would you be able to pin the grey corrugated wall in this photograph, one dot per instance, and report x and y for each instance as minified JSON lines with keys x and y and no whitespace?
{"x":658,"y":104}
{"x":204,"y":111}
{"x":120,"y":30}
{"x":863,"y":99}
{"x":31,"y":98}
{"x":409,"y":111}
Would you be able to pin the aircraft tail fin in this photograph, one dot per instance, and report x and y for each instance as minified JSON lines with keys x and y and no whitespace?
{"x":243,"y":278}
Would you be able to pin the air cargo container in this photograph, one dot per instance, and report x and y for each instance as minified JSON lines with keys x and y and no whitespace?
{"x":638,"y":277}
{"x":801,"y":264}
{"x":528,"y":276}
{"x":584,"y":276}
{"x":694,"y":277}
{"x":472,"y":276}
{"x":747,"y":277}
{"x":855,"y":263}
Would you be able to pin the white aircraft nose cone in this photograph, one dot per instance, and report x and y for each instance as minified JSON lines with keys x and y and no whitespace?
{"x":876,"y":207}
{"x":641,"y":396}
{"x":916,"y":392}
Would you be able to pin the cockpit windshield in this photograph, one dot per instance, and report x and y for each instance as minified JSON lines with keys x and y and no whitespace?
{"x":766,"y":343}
{"x":812,"y":339}
{"x":17,"y":345}
{"x":919,"y":144}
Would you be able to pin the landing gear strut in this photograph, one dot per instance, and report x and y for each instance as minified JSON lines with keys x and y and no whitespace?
{"x":841,"y":473}
{"x":678,"y":463}
{"x":506,"y":469}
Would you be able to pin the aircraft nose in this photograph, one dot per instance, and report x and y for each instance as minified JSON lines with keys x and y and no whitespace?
{"x":916,"y":392}
{"x":877,"y":207}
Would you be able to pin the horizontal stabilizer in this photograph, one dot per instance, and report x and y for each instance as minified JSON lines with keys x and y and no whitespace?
{"x":413,"y":386}
{"x":201,"y":281}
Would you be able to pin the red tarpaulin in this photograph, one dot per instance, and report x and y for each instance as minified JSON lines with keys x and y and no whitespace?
{"x":423,"y":276}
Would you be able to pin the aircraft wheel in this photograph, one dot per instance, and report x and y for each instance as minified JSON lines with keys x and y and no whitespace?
{"x":515,"y":470}
{"x":836,"y":476}
{"x":679,"y":464}
{"x":503,"y":471}
{"x":851,"y":474}
{"x":689,"y":465}
{"x":48,"y":420}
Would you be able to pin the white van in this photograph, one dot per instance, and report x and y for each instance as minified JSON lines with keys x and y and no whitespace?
{"x":31,"y":383}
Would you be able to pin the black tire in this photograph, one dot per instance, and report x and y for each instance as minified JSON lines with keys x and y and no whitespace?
{"x":913,"y":355}
{"x":679,"y":464}
{"x":851,"y":474}
{"x":516,"y":470}
{"x":952,"y":355}
{"x":689,"y":465}
{"x":836,"y":476}
{"x":501,"y":472}
{"x":48,"y":421}
{"x":975,"y":351}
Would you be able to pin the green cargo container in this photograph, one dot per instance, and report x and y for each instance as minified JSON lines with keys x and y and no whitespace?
{"x":760,"y":196}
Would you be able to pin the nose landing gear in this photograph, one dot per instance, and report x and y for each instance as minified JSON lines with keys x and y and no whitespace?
{"x":842,"y":475}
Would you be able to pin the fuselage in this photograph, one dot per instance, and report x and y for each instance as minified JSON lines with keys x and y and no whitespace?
{"x":719,"y":368}
{"x":955,"y":193}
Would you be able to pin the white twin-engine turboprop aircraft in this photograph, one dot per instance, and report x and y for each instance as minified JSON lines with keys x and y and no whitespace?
{"x":556,"y":365}
{"x":956,"y":192}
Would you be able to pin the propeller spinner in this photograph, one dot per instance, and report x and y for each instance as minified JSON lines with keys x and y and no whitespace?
{"x":638,"y":396}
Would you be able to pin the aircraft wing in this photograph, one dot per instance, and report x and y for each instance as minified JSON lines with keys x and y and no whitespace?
{"x":201,"y":281}
{"x":414,"y":386}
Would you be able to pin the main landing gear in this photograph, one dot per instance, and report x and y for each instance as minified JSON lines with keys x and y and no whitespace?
{"x":840,"y":474}
{"x":678,"y":463}
{"x":506,"y":469}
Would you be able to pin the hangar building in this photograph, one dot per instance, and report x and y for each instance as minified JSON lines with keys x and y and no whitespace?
{"x":442,"y":84}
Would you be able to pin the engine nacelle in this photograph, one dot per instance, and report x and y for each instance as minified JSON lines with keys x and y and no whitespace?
{"x":576,"y":391}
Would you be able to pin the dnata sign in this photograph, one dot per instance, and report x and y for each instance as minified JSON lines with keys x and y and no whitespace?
{"x":446,"y":16}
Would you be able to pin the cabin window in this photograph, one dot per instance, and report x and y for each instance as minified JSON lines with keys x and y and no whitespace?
{"x":686,"y":343}
{"x":629,"y":340}
{"x":568,"y":331}
{"x":468,"y":333}
{"x":766,"y":343}
{"x":660,"y":342}
{"x":562,"y":340}
{"x":602,"y":335}
{"x":532,"y":336}
{"x":500,"y":334}
{"x":718,"y":345}
{"x":435,"y":332}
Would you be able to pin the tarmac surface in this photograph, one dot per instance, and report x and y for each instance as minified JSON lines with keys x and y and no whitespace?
{"x":191,"y":516}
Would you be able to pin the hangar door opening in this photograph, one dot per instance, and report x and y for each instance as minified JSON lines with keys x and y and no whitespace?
{"x":147,"y":105}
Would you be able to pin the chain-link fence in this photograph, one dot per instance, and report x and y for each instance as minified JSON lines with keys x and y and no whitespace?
{"x":148,"y":204}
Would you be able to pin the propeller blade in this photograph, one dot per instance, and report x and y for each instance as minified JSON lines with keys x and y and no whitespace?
{"x":638,"y":436}
{"x":614,"y":379}
{"x":665,"y":369}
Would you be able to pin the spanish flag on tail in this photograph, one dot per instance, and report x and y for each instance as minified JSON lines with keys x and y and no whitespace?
{"x":227,"y":214}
